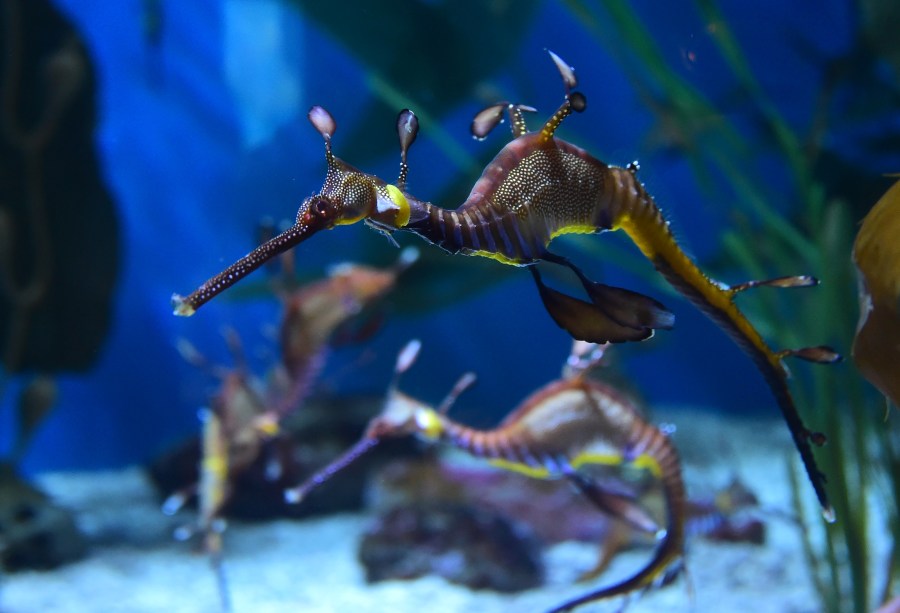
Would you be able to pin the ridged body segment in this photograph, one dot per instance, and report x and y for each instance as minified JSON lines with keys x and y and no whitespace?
{"x":530,"y":193}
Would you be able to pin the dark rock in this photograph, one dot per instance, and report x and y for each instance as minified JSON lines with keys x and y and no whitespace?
{"x":464,"y":545}
{"x":35,"y":533}
{"x":552,"y":509}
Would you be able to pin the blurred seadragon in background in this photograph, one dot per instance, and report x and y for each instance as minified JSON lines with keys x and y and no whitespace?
{"x":244,"y":430}
{"x":565,"y":425}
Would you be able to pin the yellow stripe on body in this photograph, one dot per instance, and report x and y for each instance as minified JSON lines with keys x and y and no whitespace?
{"x":574,"y":229}
{"x":643,"y":461}
{"x":504,"y":259}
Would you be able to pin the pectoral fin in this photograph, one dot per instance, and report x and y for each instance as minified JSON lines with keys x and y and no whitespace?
{"x":585,"y":321}
{"x":615,"y":504}
{"x":630,"y":308}
{"x":624,"y":307}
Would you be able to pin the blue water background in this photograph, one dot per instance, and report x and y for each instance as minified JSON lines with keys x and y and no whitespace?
{"x":203,"y":133}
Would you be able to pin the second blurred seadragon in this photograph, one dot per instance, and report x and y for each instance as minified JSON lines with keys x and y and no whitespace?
{"x":242,"y":425}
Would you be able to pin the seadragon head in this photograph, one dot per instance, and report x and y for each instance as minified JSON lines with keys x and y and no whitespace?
{"x":348,"y":195}
{"x":402,"y":415}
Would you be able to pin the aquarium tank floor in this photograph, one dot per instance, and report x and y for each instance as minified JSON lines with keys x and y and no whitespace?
{"x":134,"y":565}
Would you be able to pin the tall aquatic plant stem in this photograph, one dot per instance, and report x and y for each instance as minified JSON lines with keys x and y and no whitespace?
{"x":730,"y":50}
{"x":628,"y":40}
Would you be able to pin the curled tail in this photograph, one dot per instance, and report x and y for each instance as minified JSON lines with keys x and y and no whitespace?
{"x":648,"y":442}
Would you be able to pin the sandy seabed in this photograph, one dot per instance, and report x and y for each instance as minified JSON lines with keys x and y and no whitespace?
{"x":310,"y":566}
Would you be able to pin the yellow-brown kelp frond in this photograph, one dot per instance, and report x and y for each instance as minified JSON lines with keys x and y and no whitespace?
{"x":876,"y":252}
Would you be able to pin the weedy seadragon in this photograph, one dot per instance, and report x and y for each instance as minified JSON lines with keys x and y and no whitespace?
{"x":537,"y":188}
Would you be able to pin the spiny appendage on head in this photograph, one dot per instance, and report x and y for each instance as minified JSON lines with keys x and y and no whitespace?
{"x":407,"y":130}
{"x":492,"y":116}
{"x":574,"y":102}
{"x":359,"y":196}
{"x":362,"y":196}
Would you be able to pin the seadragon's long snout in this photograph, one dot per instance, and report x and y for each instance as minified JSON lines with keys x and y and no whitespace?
{"x":315,"y":214}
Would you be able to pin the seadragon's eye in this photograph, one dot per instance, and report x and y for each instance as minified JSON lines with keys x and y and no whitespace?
{"x":321,"y":208}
